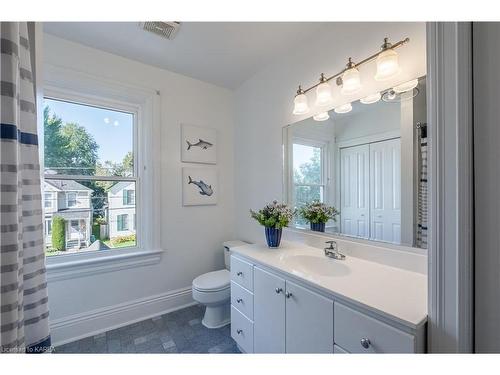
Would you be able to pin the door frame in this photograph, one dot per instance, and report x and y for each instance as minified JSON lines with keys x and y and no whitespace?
{"x":451,"y":235}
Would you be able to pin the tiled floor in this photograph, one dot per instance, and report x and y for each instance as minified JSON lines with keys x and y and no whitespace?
{"x":177,"y":332}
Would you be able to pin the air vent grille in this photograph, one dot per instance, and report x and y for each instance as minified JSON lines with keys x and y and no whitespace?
{"x":166,"y":30}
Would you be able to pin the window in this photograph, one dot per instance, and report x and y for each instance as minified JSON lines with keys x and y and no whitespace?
{"x":71,"y":198}
{"x":48,"y":200}
{"x":122,"y":222}
{"x":128,"y":197}
{"x":309,"y":176}
{"x":90,"y":158}
{"x":48,"y":227}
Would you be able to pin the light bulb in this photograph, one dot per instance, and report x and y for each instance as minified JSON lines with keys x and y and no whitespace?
{"x":323,"y":116}
{"x":391,"y":95}
{"x":351,"y":81}
{"x":300,"y":103}
{"x":407,"y":86}
{"x":323,"y":92}
{"x":387,"y":62}
{"x":370,"y":99}
{"x":344,"y":108}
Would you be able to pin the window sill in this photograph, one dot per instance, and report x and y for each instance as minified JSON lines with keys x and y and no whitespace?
{"x":65,"y":268}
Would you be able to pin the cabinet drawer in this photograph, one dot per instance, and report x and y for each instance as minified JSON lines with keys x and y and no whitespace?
{"x":242,"y":299}
{"x":242,"y":273}
{"x":241,"y":330}
{"x":351,"y":327}
{"x":338,"y":350}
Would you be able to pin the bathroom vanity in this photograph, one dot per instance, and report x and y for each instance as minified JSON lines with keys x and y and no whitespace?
{"x":296,"y":300}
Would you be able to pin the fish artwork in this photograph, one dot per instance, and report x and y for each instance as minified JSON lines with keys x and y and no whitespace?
{"x":201,"y":143}
{"x":204,"y":188}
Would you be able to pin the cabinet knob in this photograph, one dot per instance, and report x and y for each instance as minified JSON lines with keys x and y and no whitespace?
{"x":288,"y":294}
{"x":239,"y":300}
{"x":239,"y":331}
{"x":239,"y":273}
{"x":365,"y":343}
{"x":278,"y":290}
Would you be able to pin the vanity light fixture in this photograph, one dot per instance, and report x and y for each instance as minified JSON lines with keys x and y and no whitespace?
{"x":323,"y":92}
{"x":387,"y":62}
{"x":323,"y":116}
{"x":346,"y":108}
{"x":370,"y":99}
{"x":300,"y":106}
{"x":351,"y":81}
{"x":407,"y":86}
{"x":349,"y":77}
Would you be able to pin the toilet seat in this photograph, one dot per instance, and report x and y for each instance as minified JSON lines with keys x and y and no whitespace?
{"x":212,"y":281}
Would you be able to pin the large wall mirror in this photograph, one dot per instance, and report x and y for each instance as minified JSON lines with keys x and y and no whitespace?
{"x":369,"y":162}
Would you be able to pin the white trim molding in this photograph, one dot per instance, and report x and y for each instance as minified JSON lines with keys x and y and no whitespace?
{"x":113,"y":261}
{"x":94,"y":322}
{"x":449,"y":98}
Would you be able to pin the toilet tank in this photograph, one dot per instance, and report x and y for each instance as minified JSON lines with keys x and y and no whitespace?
{"x":228,"y":245}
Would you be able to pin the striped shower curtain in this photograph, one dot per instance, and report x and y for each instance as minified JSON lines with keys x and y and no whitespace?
{"x":24,"y":310}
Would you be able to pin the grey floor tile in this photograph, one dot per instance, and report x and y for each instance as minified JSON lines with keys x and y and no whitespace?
{"x":177,"y":332}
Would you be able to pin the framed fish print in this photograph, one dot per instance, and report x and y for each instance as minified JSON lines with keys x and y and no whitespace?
{"x":199,"y":186}
{"x":198,"y":145}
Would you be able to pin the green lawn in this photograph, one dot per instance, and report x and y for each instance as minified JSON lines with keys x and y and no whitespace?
{"x":118,"y":245}
{"x":51,"y":252}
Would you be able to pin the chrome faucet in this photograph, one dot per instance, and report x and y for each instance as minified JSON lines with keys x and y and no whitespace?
{"x":332,"y":251}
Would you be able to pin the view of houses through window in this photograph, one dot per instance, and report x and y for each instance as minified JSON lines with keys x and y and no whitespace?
{"x":89,"y":178}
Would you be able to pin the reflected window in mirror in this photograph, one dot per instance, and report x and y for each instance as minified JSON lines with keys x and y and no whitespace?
{"x":309,"y":174}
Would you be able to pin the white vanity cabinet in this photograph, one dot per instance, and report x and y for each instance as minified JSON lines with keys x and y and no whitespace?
{"x":289,"y":318}
{"x":272,"y":312}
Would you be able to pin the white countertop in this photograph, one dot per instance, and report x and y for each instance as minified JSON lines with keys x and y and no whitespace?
{"x":396,"y":292}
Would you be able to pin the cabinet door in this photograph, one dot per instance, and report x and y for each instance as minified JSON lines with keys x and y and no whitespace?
{"x":269,"y":312}
{"x":354,"y":191}
{"x":309,"y":321}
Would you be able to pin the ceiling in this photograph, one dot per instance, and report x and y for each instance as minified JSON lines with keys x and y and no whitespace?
{"x":223,"y":53}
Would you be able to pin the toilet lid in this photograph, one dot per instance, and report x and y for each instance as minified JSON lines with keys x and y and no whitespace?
{"x":212,"y":281}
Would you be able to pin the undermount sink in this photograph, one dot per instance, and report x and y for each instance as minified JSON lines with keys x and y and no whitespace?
{"x":316,"y":265}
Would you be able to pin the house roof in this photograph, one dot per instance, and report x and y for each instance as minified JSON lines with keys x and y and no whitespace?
{"x":67,"y":185}
{"x":119,"y":186}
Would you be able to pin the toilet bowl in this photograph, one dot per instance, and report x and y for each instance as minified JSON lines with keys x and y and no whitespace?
{"x":213,"y":289}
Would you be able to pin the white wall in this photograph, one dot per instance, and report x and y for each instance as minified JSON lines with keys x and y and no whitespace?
{"x":264,"y":103}
{"x":378,"y":118}
{"x":191,"y":236}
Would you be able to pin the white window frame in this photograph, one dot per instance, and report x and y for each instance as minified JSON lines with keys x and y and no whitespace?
{"x":73,"y":86}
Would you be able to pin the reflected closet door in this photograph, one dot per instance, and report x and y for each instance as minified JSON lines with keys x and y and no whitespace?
{"x":354,"y":178}
{"x":385,"y":190}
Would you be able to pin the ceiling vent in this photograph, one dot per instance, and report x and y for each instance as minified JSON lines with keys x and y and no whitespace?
{"x":164,"y":29}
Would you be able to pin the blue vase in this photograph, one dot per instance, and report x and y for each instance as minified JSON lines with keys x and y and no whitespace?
{"x":318,"y":227}
{"x":273,"y":237}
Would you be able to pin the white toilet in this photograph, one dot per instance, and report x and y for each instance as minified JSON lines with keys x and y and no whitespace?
{"x":213,"y":289}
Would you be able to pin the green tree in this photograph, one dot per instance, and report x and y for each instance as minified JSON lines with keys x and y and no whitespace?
{"x":59,"y":233}
{"x":69,"y":148}
{"x":55,"y":151}
{"x":82,"y":149}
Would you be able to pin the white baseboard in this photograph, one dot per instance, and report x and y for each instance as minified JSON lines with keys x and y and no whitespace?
{"x":90,"y":323}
